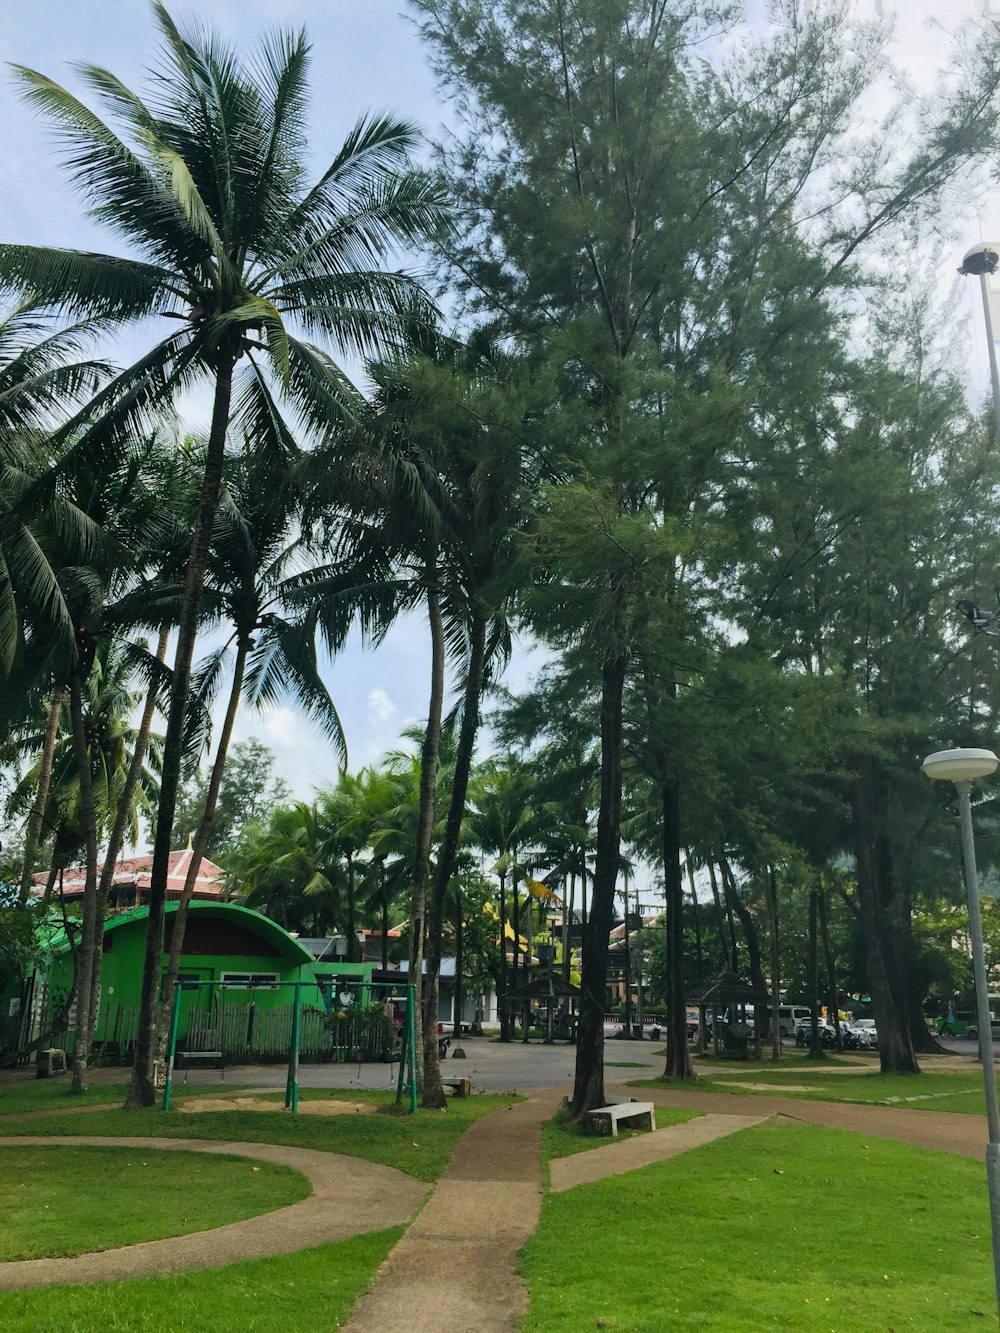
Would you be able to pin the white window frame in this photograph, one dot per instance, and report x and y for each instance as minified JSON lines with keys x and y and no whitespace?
{"x":250,"y":980}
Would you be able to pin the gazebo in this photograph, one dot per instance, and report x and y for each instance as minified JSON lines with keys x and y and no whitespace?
{"x":727,"y":993}
{"x":547,"y":987}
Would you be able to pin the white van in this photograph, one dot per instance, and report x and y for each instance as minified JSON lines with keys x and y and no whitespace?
{"x":790,"y":1015}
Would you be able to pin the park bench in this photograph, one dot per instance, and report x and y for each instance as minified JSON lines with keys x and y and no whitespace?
{"x":606,"y":1119}
{"x":461,"y":1087}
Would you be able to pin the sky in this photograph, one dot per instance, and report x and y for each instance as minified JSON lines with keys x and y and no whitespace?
{"x":367,"y":55}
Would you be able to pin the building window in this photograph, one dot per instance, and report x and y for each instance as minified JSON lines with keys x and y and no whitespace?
{"x":250,"y":980}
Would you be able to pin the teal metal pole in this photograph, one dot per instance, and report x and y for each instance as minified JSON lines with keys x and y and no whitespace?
{"x":172,"y":1046}
{"x":403,"y":1048}
{"x":411,"y":1020}
{"x":292,"y":1086}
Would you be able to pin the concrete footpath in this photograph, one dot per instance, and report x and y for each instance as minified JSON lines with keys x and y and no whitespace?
{"x":456,"y":1267}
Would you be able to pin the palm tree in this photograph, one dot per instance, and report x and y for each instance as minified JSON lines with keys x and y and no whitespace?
{"x":205,"y":179}
{"x":273,"y":651}
{"x":291,"y":870}
{"x":464,"y":411}
{"x":41,"y":379}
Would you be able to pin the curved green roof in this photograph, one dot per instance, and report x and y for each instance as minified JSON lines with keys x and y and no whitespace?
{"x":269,"y":930}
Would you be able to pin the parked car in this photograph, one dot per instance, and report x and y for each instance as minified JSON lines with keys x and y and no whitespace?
{"x":803,"y":1032}
{"x":862,"y":1034}
{"x":972,"y":1031}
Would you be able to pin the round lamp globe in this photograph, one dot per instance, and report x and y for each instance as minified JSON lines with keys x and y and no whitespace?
{"x":960,"y":765}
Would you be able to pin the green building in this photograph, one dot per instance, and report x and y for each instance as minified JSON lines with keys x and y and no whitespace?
{"x":247,"y":1013}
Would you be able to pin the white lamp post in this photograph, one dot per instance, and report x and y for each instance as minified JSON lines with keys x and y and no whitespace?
{"x":963,"y":767}
{"x":980,"y":262}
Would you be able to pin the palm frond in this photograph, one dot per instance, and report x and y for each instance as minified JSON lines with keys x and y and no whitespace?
{"x":118,"y":187}
{"x":77,"y":283}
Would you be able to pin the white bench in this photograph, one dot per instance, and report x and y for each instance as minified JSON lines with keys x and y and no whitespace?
{"x":606,"y":1119}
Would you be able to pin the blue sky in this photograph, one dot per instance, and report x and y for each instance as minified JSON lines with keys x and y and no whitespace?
{"x":366,"y":55}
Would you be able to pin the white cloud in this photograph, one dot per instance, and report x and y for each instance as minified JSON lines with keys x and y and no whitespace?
{"x":380,"y":706}
{"x":279,"y":725}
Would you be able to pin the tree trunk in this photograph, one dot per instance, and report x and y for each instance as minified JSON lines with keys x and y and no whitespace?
{"x":123,"y":811}
{"x":569,"y":909}
{"x":724,"y":917}
{"x":385,"y":914}
{"x":771,"y":892}
{"x":697,"y":922}
{"x":505,"y":985}
{"x":426,"y":1006}
{"x":678,"y":1056}
{"x":895,"y":1047}
{"x":33,"y":830}
{"x":142,"y":1089}
{"x":459,"y":963}
{"x":447,"y":852}
{"x":588,"y":1088}
{"x":90,"y":927}
{"x":353,"y":951}
{"x":735,"y":903}
{"x":202,"y":836}
{"x":816,"y":1051}
{"x":832,"y":1003}
{"x":55,"y":870}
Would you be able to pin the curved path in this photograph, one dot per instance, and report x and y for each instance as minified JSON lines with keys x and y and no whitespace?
{"x":349,"y":1195}
{"x":456,"y":1266}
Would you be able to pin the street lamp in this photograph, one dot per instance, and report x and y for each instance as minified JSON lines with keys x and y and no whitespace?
{"x":963,"y":767}
{"x":980,"y":262}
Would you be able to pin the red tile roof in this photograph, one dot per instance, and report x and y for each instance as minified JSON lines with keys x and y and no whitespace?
{"x":135,"y":871}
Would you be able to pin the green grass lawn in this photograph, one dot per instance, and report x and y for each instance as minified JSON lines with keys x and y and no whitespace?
{"x":420,"y":1144}
{"x":931,"y":1091}
{"x":49,"y":1093}
{"x":67,"y":1200}
{"x":783,"y":1228}
{"x":53,"y":1094}
{"x":296,"y":1293}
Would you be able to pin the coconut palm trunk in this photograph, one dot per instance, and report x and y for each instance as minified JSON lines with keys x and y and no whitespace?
{"x":425,"y":824}
{"x":89,"y":922}
{"x":33,"y":831}
{"x":204,"y":832}
{"x":678,"y":1062}
{"x":433,"y":1090}
{"x":505,"y":984}
{"x":123,"y":814}
{"x":142,"y":1088}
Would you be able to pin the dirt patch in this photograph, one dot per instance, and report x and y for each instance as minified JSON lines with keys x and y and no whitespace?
{"x":332,"y":1107}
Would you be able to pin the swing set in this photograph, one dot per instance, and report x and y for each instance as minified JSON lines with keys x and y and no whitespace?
{"x":406,"y":1082}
